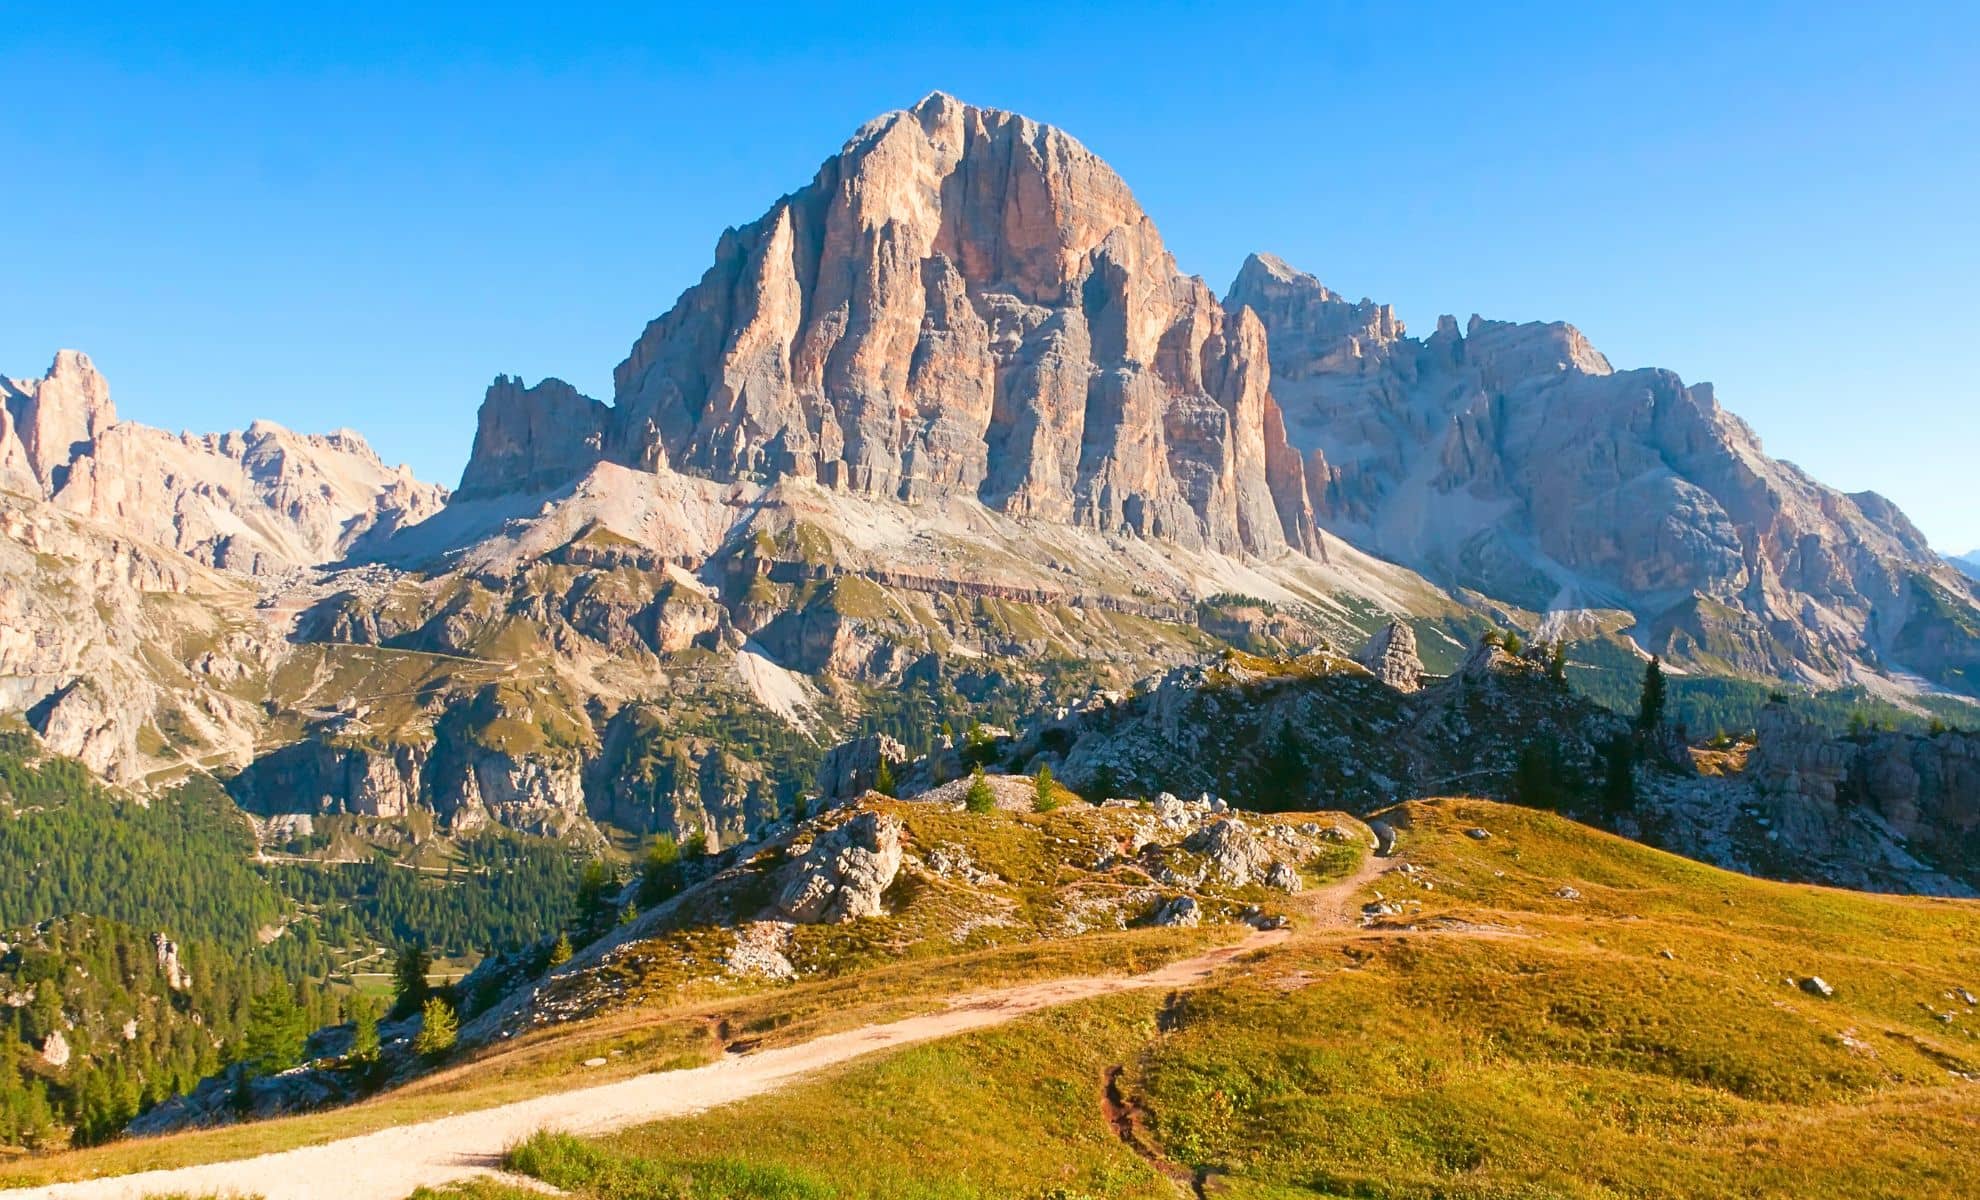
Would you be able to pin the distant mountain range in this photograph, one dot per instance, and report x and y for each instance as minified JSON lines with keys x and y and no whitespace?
{"x":944,"y":432}
{"x":1967,"y":564}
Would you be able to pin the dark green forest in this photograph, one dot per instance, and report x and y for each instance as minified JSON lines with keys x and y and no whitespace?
{"x":96,"y":880}
{"x":502,"y":894}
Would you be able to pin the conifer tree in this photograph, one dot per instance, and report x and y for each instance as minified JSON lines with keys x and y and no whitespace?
{"x":979,"y":798}
{"x":1650,"y":710}
{"x":438,"y":1029}
{"x":1044,"y":796}
{"x":660,"y":875}
{"x":276,"y":1032}
{"x":409,"y":978}
{"x":365,"y":1046}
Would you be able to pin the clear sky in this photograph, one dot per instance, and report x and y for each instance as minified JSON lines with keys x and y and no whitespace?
{"x":340,"y":215}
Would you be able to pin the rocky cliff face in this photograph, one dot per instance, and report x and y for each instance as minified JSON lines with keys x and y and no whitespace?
{"x":258,"y":502}
{"x":1512,"y":459}
{"x":961,"y":303}
{"x":1923,"y":789}
{"x":105,"y":640}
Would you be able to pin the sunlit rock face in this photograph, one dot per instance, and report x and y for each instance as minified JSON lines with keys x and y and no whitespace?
{"x":962,"y":302}
{"x":258,"y":501}
{"x":1514,"y":460}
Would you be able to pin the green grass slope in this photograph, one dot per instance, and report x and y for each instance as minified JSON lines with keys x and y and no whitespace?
{"x":1552,"y":1012}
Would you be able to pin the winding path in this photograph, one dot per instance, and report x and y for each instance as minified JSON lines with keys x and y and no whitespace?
{"x":390,"y":1163}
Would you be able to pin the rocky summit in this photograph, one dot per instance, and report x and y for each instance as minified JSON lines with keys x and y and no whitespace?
{"x":962,"y":302}
{"x":965,"y":303}
{"x":257,"y":502}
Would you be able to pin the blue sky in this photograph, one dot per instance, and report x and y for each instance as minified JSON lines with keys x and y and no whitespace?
{"x":357,"y":218}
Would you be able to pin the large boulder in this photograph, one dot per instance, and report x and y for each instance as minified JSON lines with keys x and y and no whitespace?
{"x":852,"y":768}
{"x":844,"y":873}
{"x":1235,"y":853}
{"x":1391,"y":655}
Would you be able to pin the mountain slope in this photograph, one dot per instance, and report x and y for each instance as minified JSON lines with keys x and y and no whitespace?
{"x":1531,"y":1008}
{"x":1555,"y":1012}
{"x":1515,"y":461}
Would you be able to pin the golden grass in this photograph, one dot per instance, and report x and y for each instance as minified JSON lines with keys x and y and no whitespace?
{"x":1646,"y":1039}
{"x":1642,"y":1034}
{"x":635,"y":1041}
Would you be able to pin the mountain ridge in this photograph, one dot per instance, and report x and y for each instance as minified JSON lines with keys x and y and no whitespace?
{"x":1507,"y":459}
{"x":943,"y":429}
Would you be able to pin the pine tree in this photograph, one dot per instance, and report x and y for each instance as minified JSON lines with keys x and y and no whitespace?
{"x":276,"y":1033}
{"x":409,"y":978}
{"x":660,"y":875}
{"x":1044,"y":796}
{"x":365,"y":1046}
{"x":44,"y":1013}
{"x":883,"y":777}
{"x":1536,"y":780}
{"x":561,"y":952}
{"x":1650,"y":710}
{"x":977,"y":744}
{"x":438,"y":1029}
{"x":1618,"y":777}
{"x":596,"y":898}
{"x":979,"y":798}
{"x":1557,"y":661}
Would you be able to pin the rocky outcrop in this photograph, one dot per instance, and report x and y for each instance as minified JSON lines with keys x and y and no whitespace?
{"x":463,"y":773}
{"x":1514,"y":460}
{"x":90,"y":622}
{"x":51,"y":421}
{"x":533,"y":439}
{"x":852,"y":768}
{"x":318,"y":777}
{"x":844,"y":873}
{"x":1232,"y":851}
{"x":176,"y":976}
{"x":238,"y":1094}
{"x":962,"y":303}
{"x":1391,"y":655}
{"x":1924,"y":789}
{"x":258,"y":502}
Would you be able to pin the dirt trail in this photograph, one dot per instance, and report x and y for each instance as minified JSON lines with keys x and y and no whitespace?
{"x":390,"y":1163}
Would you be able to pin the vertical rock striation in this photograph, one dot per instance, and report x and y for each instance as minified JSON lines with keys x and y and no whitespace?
{"x":962,"y":302}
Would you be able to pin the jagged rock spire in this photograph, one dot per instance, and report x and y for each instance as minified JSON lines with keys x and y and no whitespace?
{"x":962,"y":302}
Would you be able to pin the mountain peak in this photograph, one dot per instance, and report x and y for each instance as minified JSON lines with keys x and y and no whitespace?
{"x":936,"y":103}
{"x":963,"y":303}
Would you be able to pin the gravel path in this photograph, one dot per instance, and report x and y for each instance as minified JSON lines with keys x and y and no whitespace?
{"x":389,"y":1164}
